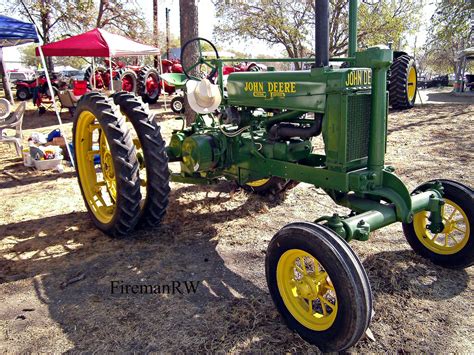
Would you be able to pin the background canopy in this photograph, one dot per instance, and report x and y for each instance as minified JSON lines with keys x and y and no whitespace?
{"x":14,"y":32}
{"x":97,"y":43}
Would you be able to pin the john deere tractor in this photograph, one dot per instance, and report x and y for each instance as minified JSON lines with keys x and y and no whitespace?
{"x":259,"y":133}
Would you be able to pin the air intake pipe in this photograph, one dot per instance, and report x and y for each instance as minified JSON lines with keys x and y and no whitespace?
{"x":322,"y":33}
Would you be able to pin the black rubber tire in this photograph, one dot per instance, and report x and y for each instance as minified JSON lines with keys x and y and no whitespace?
{"x":398,"y":83}
{"x":88,"y":74}
{"x":464,"y":197}
{"x":127,"y":203}
{"x":122,"y":72}
{"x":153,"y":208}
{"x":347,"y":274}
{"x":177,"y":104}
{"x":23,"y":94}
{"x":143,"y":74}
{"x":274,"y":186}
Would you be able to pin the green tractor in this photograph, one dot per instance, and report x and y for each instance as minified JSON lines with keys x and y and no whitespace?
{"x":258,"y":132}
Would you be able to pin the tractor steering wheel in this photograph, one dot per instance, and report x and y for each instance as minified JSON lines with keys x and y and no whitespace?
{"x":201,"y":61}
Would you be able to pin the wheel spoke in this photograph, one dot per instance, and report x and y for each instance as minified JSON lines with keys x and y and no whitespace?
{"x":434,"y":238}
{"x":452,"y":237}
{"x":300,"y":270}
{"x":310,"y":307}
{"x":459,"y":229}
{"x":325,"y":301}
{"x":452,"y":214}
{"x":303,"y":266}
{"x":323,"y":307}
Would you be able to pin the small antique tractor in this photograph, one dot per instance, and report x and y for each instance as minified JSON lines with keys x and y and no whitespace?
{"x":259,"y":133}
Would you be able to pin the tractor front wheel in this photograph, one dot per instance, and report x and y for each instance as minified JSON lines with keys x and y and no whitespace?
{"x":319,"y":286}
{"x":453,"y":247}
{"x":107,"y":165}
{"x":153,"y":207}
{"x":177,"y":104}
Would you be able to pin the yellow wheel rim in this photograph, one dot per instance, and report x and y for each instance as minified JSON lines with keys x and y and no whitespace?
{"x":455,"y":234}
{"x":411,"y":82}
{"x":98,"y":184}
{"x":258,"y":183}
{"x":306,"y":290}
{"x":107,"y":165}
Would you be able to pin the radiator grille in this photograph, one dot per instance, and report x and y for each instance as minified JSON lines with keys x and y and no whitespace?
{"x":358,"y":126}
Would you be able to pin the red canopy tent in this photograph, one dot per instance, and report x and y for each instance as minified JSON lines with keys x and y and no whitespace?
{"x":97,"y":43}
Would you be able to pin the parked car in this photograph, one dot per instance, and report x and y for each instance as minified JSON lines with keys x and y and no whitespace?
{"x":13,"y":76}
{"x":438,"y":81}
{"x":74,"y":74}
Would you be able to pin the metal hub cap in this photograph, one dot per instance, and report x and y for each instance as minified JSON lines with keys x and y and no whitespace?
{"x":306,"y":289}
{"x":455,"y":234}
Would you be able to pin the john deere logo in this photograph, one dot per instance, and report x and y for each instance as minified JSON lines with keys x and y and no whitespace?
{"x":359,"y":78}
{"x":270,"y":89}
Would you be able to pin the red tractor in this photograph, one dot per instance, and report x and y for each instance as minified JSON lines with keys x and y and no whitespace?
{"x":141,"y":80}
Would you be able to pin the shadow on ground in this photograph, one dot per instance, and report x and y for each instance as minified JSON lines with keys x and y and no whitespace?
{"x":72,"y":266}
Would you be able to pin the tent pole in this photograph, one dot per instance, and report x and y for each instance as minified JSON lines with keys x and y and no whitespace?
{"x":111,"y":84}
{"x":48,"y":79}
{"x":162,"y":81}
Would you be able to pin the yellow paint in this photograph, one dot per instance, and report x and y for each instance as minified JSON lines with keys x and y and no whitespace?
{"x":411,"y":82}
{"x":455,"y":234}
{"x":258,"y":183}
{"x":100,"y":202}
{"x":361,"y":77}
{"x":306,"y":290}
{"x":270,"y":89}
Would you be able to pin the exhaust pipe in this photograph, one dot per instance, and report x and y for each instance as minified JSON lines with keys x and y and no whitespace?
{"x":322,"y":33}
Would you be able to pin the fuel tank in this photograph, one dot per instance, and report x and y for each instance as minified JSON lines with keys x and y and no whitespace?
{"x":303,"y":90}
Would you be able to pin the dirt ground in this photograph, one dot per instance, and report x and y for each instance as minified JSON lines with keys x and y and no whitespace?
{"x":56,"y":268}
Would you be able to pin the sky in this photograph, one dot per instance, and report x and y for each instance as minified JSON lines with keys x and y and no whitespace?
{"x":207,"y":22}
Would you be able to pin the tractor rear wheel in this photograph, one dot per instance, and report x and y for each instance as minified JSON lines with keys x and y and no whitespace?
{"x":128,"y":78}
{"x":403,"y":83}
{"x":153,"y":207}
{"x":319,"y":286}
{"x":454,"y":246}
{"x":107,"y":165}
{"x":149,"y":84}
{"x":99,"y":69}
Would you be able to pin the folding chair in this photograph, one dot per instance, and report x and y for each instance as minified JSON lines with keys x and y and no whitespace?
{"x":66,"y":100}
{"x":14,"y":121}
{"x":5,"y":108}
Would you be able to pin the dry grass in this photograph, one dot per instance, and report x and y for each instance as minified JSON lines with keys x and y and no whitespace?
{"x":217,"y":235}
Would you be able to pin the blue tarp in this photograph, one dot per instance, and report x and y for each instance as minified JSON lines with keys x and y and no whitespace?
{"x":14,"y":32}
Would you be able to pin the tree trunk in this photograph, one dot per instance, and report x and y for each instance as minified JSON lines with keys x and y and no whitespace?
{"x":188,"y":13}
{"x":3,"y":74}
{"x":155,"y":30}
{"x":45,"y":26}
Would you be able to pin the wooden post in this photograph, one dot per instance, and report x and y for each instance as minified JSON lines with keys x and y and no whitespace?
{"x":155,"y":31}
{"x":5,"y":81}
{"x":188,"y":13}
